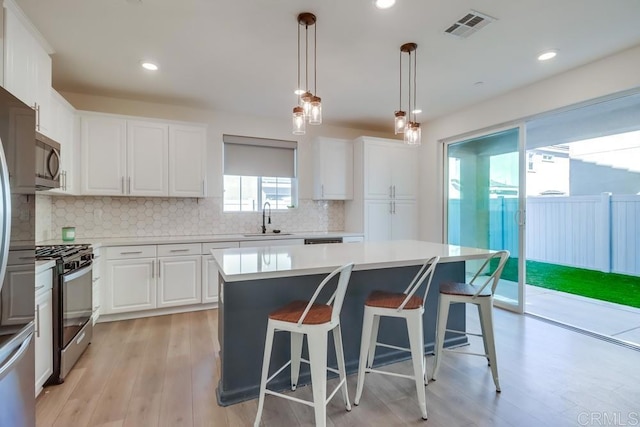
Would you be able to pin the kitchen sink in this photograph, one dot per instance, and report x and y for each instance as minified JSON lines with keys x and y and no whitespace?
{"x":266,"y":234}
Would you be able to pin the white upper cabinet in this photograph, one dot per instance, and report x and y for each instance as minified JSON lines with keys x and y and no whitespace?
{"x":27,"y":66}
{"x":127,"y":157}
{"x":187,"y":161}
{"x":147,"y":152}
{"x":390,"y":170}
{"x":65,"y":133}
{"x":103,"y":148}
{"x":332,"y":169}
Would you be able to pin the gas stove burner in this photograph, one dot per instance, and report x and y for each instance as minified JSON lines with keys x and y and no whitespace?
{"x":60,"y":251}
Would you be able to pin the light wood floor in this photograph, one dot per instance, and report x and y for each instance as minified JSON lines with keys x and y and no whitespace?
{"x":163,"y":371}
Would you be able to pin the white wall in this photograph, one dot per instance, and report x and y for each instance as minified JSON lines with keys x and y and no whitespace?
{"x":225,"y":123}
{"x":613,"y":74}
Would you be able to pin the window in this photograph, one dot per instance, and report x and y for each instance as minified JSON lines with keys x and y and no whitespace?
{"x":249,"y":193}
{"x":259,"y":170}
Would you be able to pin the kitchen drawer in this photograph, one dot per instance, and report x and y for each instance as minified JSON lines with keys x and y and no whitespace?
{"x":130,"y":252}
{"x":179,"y":250}
{"x":44,"y":281}
{"x":206,"y":247}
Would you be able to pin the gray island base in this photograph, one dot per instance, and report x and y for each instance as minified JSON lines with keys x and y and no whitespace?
{"x":245,"y":305}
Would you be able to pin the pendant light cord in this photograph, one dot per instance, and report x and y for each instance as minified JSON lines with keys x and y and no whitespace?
{"x":400,"y":106}
{"x":315,"y":62}
{"x":306,"y":58}
{"x":410,"y":111}
{"x":298,"y":87}
{"x":415,"y":72}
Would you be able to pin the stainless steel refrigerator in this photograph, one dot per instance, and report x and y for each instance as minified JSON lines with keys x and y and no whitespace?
{"x":17,"y":262}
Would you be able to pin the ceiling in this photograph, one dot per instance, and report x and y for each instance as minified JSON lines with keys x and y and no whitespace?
{"x":240,"y":55}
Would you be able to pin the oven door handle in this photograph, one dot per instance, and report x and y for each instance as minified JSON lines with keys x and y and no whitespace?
{"x":78,"y":273}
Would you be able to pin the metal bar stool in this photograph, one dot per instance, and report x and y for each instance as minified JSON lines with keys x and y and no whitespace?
{"x":404,"y":305}
{"x":480,"y":295}
{"x":302,"y":318}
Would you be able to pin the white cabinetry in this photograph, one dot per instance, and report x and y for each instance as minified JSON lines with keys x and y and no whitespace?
{"x":103,"y":147}
{"x":384,"y":205}
{"x":332,"y":169}
{"x":43,"y":342}
{"x":210,"y":270}
{"x":179,"y":274}
{"x":147,"y":277}
{"x":126,"y":157}
{"x":147,"y":153}
{"x":131,"y":279}
{"x":64,"y":132}
{"x":27,"y":65}
{"x":98,"y":271}
{"x":187,"y":161}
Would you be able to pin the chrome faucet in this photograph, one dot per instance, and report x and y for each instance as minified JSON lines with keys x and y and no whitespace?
{"x":264,"y":208}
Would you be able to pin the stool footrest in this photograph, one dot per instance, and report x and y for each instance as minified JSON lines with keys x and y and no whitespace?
{"x":284,"y":396}
{"x":465,"y":352}
{"x":335,"y":371}
{"x":278,"y":371}
{"x":393,"y":374}
{"x":380,"y":344}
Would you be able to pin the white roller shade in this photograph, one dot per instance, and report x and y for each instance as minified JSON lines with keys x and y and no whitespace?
{"x":247,"y":156}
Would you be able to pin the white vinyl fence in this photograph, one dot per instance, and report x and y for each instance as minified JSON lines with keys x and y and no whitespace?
{"x":593,"y":232}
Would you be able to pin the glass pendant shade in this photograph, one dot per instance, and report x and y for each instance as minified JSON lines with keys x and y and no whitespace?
{"x":299,"y":126}
{"x":413,"y":134}
{"x":400,"y":122}
{"x":315,"y":113}
{"x":306,"y":103}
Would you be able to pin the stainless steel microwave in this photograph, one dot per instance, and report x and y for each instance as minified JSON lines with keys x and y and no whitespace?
{"x":47,"y":163}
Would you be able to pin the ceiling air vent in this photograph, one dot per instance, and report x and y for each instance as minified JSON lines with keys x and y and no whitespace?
{"x":469,"y":24}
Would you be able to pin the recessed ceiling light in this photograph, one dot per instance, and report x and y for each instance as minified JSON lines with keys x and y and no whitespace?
{"x":416,"y":111}
{"x":384,"y":4}
{"x":149,"y":66}
{"x":545,"y":56}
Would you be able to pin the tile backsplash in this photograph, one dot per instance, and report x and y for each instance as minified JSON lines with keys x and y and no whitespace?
{"x":146,"y":216}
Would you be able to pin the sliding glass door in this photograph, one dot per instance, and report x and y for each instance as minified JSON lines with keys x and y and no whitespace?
{"x":485,"y":202}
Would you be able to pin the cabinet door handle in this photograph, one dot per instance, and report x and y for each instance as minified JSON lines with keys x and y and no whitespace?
{"x":322,"y":190}
{"x":394,"y":207}
{"x":159,"y":269}
{"x":390,"y":207}
{"x":36,"y":107}
{"x":391,"y":191}
{"x":129,"y":185}
{"x":122,"y":184}
{"x":179,"y":250}
{"x":204,"y":190}
{"x":153,"y":268}
{"x":394,"y":191}
{"x":130,"y":253}
{"x":38,"y":320}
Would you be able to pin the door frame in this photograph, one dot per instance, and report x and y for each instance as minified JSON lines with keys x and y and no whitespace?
{"x":522,"y":199}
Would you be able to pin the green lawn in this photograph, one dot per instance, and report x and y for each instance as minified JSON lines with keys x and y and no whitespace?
{"x":610,"y":287}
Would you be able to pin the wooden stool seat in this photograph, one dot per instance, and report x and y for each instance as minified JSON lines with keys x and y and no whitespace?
{"x":292,"y":312}
{"x":464,"y":289}
{"x":392,"y":300}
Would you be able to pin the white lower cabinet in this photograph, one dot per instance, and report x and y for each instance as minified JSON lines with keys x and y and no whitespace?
{"x":273,"y":242}
{"x":210,"y":270}
{"x":179,"y":275}
{"x":131,"y":285}
{"x":98,"y":271}
{"x":147,"y":277}
{"x":390,"y":220}
{"x":43,"y":335}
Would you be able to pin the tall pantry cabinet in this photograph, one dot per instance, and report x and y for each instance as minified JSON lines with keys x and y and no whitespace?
{"x":384,"y":205}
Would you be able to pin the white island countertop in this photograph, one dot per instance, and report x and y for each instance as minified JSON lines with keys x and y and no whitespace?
{"x":240,"y":264}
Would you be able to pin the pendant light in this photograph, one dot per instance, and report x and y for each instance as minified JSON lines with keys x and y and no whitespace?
{"x":309,"y":108}
{"x":404,"y":123}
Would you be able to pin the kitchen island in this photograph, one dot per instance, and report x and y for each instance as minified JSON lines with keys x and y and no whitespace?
{"x":256,"y":281}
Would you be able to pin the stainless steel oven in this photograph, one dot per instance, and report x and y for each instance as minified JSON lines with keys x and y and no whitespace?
{"x":72,"y":305}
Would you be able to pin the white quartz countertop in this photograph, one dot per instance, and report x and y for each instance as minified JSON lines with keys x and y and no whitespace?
{"x":239,"y":264}
{"x":44,"y":265}
{"x":160,"y":240}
